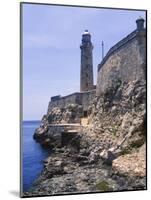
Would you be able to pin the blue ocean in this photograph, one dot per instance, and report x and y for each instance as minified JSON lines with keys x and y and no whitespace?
{"x":33,"y":155}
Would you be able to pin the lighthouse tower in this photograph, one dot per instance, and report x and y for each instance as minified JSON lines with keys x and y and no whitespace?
{"x":86,"y":76}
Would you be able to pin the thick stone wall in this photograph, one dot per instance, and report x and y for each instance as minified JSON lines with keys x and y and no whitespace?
{"x":81,"y":98}
{"x":74,"y":98}
{"x":126,"y":61}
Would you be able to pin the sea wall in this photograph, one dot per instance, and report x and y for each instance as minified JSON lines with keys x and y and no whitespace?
{"x":124,"y":62}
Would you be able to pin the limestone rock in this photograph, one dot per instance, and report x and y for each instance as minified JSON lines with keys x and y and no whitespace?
{"x":110,"y":148}
{"x":131,"y":164}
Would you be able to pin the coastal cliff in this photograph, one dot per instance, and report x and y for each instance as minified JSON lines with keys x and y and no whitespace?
{"x":103,"y":147}
{"x":99,"y":156}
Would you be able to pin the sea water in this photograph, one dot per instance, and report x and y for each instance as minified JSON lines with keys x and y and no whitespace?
{"x":32,"y":155}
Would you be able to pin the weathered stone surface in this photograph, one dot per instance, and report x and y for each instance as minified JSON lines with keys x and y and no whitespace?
{"x":119,"y":121}
{"x":67,"y":172}
{"x":109,"y":155}
{"x":59,"y":135}
{"x":133,"y":164}
{"x":125,"y":64}
{"x":83,"y":99}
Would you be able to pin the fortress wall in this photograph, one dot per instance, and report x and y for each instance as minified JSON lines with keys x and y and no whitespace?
{"x":74,"y":98}
{"x":124,"y":62}
{"x":80,"y":98}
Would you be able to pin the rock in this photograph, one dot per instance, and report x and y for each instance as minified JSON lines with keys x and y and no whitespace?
{"x":109,"y":155}
{"x":109,"y":149}
{"x":133,"y":165}
{"x":93,"y":157}
{"x":69,"y":114}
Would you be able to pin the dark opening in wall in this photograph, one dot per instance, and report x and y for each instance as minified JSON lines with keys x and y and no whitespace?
{"x":85,"y":113}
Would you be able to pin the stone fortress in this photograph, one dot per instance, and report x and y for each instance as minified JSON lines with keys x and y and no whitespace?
{"x":98,"y":135}
{"x":125,"y":61}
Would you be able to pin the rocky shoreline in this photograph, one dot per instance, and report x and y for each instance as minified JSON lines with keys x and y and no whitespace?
{"x":98,"y":135}
{"x":67,"y":171}
{"x":108,"y":154}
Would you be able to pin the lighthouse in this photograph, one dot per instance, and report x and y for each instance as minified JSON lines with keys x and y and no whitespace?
{"x":86,"y":74}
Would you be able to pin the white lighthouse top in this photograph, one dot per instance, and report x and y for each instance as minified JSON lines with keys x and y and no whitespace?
{"x":86,"y":32}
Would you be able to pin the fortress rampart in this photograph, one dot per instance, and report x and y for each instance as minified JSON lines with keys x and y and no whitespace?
{"x":81,"y":98}
{"x":124,"y":62}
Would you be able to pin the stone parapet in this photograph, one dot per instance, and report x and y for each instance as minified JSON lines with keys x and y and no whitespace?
{"x":124,"y":62}
{"x":81,"y":98}
{"x":120,"y":44}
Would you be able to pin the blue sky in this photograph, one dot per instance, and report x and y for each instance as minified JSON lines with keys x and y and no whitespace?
{"x":51,"y":53}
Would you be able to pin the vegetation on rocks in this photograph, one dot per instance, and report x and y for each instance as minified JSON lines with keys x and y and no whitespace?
{"x":103,"y":186}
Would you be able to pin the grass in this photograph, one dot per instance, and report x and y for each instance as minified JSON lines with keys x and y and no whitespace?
{"x":114,"y":130}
